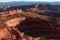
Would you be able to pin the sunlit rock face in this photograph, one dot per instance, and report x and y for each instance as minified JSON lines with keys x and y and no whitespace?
{"x":4,"y":34}
{"x":14,"y":22}
{"x":33,"y":23}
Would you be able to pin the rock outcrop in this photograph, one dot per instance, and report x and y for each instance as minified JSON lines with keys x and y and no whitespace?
{"x":18,"y":24}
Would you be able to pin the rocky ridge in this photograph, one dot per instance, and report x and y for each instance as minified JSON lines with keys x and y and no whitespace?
{"x":11,"y":21}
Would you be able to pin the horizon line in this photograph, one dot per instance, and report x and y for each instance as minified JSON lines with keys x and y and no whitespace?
{"x":32,"y":1}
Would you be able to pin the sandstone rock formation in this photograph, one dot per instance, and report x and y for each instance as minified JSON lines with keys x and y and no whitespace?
{"x":18,"y":24}
{"x":14,"y":22}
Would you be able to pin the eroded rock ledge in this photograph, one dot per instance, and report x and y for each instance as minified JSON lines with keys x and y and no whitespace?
{"x":23,"y":25}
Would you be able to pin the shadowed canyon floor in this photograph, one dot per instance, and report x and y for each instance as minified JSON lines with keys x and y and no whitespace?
{"x":30,"y":22}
